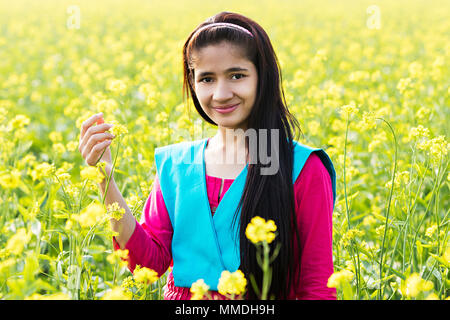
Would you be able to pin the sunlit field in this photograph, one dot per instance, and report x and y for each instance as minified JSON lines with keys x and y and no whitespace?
{"x":367,"y":80}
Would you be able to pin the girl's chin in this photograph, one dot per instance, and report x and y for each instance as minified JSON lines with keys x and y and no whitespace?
{"x":229,"y":124}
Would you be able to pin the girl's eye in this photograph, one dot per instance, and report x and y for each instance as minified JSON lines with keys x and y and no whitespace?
{"x":239,"y":75}
{"x":201,"y":80}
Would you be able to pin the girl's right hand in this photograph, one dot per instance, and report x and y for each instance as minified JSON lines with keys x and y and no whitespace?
{"x":94,"y":139}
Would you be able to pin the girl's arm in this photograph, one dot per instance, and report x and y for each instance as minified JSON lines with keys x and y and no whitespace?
{"x":126,"y":225}
{"x":94,"y":146}
{"x":150,"y":243}
{"x":314,"y":209}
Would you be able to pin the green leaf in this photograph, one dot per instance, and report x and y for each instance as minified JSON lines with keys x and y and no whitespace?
{"x":42,"y":285}
{"x":43,"y":200}
{"x":24,"y":188}
{"x":45,"y":257}
{"x":61,"y":216}
{"x":440,"y":260}
{"x":60,"y":243}
{"x":31,"y":267}
{"x":357,"y":217}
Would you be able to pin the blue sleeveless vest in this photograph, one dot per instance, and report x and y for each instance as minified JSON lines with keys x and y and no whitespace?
{"x":204,"y":245}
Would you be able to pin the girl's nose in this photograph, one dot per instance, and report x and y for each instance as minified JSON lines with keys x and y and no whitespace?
{"x":222,"y":91}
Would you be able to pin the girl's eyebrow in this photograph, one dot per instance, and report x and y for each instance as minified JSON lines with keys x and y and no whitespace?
{"x":234,"y":69}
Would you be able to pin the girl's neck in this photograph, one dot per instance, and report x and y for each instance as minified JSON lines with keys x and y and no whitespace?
{"x":230,"y":143}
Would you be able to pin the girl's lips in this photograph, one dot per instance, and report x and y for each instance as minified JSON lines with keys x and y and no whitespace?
{"x":226,"y":110}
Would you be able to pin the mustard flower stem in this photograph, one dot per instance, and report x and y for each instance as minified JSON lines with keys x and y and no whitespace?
{"x":347,"y":210}
{"x":266,"y":271}
{"x":111,"y":173}
{"x":386,"y":225}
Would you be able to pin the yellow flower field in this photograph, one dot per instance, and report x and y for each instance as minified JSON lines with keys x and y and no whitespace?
{"x":368,"y":81}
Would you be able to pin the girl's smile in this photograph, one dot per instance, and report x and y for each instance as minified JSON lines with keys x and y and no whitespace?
{"x":226,"y":109}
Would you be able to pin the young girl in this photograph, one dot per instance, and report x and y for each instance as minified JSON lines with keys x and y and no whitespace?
{"x":200,"y":205}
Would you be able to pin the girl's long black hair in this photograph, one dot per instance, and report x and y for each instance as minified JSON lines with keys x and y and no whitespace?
{"x":267,"y":196}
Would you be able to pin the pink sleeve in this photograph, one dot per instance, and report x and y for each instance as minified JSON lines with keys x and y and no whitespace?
{"x":150,"y":243}
{"x":314,"y":208}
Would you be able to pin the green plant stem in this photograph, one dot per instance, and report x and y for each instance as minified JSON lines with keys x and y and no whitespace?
{"x":111,"y":173}
{"x":394,"y":171}
{"x":66,"y":196}
{"x":266,"y":271}
{"x":347,"y":210}
{"x":81,"y":196}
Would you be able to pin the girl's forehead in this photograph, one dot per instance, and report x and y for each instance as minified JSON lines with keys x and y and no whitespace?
{"x":218,"y":56}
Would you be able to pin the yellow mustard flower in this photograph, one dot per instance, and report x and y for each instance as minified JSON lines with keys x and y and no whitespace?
{"x":145,"y":275}
{"x":432,"y":296}
{"x":118,"y":129}
{"x":90,"y":215}
{"x":404,"y":84}
{"x":18,"y":122}
{"x":116,"y":86}
{"x":117,"y":293}
{"x":198,"y":289}
{"x":107,"y":106}
{"x":339,"y":278}
{"x":423,"y":113}
{"x":54,"y":296}
{"x":55,"y":136}
{"x":6,"y":264}
{"x":10,"y":180}
{"x":118,"y":256}
{"x":438,"y":149}
{"x":59,"y":148}
{"x":61,"y":176}
{"x":369,"y":221}
{"x":31,"y":213}
{"x":415,"y":285}
{"x":446,"y":256}
{"x":259,"y":230}
{"x":69,"y":225}
{"x":72,"y":146}
{"x":431,"y":230}
{"x":349,"y":109}
{"x":146,"y":88}
{"x":115,"y":211}
{"x":162,"y":117}
{"x":419,"y":132}
{"x":232,"y":283}
{"x":350,"y":235}
{"x":91,"y":173}
{"x":127,"y":283}
{"x":17,"y":242}
{"x":42,"y":170}
{"x":368,"y":121}
{"x":313,"y":127}
{"x":57,"y":205}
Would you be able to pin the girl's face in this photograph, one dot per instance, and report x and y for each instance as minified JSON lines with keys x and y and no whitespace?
{"x":224,"y":78}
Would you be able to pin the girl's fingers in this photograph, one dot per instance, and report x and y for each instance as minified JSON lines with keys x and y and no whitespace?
{"x":100,"y":121}
{"x":97,"y":150}
{"x":89,"y":122}
{"x":94,"y":141}
{"x":91,"y":131}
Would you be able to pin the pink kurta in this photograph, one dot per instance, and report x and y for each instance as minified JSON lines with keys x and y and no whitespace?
{"x":150,"y":243}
